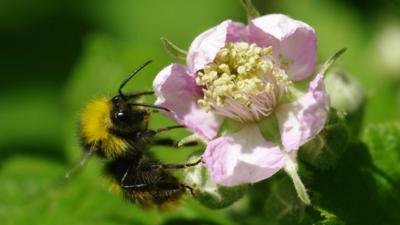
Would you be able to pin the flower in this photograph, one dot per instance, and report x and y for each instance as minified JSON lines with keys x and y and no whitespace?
{"x":248,"y":73}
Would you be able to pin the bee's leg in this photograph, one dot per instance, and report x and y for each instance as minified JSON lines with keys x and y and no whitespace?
{"x":168,"y":141}
{"x":176,"y":186}
{"x":172,"y":143}
{"x":136,"y":186}
{"x":159,"y":130}
{"x":123,"y":177}
{"x":174,"y":166}
{"x":81,"y":163}
{"x":168,"y":192}
{"x":131,"y":186}
{"x":152,"y":133}
{"x":187,"y":187}
{"x":165,"y":142}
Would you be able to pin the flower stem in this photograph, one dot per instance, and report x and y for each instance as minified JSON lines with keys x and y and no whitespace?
{"x":291,"y":170}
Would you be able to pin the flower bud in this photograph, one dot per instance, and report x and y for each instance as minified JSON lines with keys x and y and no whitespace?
{"x":345,"y":92}
{"x":207,"y":192}
{"x":348,"y":98}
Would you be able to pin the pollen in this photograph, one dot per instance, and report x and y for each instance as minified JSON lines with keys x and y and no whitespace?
{"x":242,"y":82}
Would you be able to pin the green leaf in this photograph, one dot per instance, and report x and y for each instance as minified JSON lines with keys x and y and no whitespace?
{"x":328,"y":218}
{"x":182,"y":221}
{"x":283,"y":205}
{"x":32,"y":194}
{"x":350,"y":191}
{"x":275,"y":201}
{"x":324,"y":150}
{"x":384,"y":147}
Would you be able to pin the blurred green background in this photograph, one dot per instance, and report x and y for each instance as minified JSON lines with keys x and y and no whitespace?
{"x":55,"y":56}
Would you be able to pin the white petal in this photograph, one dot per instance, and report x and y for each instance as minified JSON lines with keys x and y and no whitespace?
{"x":301,"y":120}
{"x":293,"y":42}
{"x":205,"y":47}
{"x":243,"y":157}
{"x":176,"y":90}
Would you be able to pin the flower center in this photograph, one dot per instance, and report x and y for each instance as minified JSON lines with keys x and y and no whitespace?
{"x":243,"y":82}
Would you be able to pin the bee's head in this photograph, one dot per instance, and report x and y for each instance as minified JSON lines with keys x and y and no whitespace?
{"x":127,"y":115}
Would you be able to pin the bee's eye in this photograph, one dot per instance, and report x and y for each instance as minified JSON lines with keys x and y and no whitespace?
{"x":120,"y":116}
{"x":115,"y":100}
{"x":124,"y":117}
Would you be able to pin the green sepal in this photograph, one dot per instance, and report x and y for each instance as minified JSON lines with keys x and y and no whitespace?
{"x":269,"y":128}
{"x":328,"y":64}
{"x":299,"y":88}
{"x":208,"y":193}
{"x":230,"y":126}
{"x":251,"y":10}
{"x":174,"y":51}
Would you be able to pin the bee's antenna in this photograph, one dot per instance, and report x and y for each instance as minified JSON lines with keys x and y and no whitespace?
{"x":137,"y":70}
{"x":149,"y":106}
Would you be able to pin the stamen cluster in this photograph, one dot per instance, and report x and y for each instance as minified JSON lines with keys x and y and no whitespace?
{"x":243,"y":82}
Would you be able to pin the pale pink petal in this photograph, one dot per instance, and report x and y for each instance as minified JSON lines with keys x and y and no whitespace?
{"x":205,"y":47}
{"x":243,"y":157}
{"x":301,"y":120}
{"x":176,"y":90}
{"x":293,"y":42}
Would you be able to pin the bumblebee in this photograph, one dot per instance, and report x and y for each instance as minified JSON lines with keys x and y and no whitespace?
{"x":117,"y":129}
{"x":113,"y":127}
{"x":146,"y":181}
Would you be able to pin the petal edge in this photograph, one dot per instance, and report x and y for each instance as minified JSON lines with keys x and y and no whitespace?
{"x":177,"y":91}
{"x":243,"y":157}
{"x":304,"y":118}
{"x":204,"y":47}
{"x":293,"y":42}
